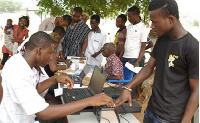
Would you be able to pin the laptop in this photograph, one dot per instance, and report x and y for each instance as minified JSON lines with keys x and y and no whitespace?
{"x":95,"y":87}
{"x":78,"y":78}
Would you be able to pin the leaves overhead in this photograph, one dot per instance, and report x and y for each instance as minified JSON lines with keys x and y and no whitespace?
{"x":104,"y":8}
{"x":10,"y":6}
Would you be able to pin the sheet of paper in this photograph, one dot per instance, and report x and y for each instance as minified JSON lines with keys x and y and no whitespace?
{"x":132,"y":68}
{"x":58,"y":92}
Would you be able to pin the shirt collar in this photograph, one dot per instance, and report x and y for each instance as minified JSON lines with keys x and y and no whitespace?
{"x":137,"y":23}
{"x":98,"y":31}
{"x":121,"y":29}
{"x":53,"y":21}
{"x":111,"y":57}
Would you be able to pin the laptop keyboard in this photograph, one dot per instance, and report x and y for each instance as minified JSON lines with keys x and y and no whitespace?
{"x":82,"y":93}
{"x":77,"y":94}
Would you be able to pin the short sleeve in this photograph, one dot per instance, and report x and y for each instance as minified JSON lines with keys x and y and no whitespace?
{"x":26,"y":31}
{"x":26,"y":95}
{"x":115,"y":68}
{"x":153,"y":53}
{"x":122,"y":36}
{"x":192,"y":58}
{"x":42,"y":26}
{"x":59,"y":47}
{"x":144,"y":35}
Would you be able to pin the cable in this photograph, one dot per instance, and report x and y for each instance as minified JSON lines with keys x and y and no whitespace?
{"x":123,"y":109}
{"x":124,"y":118}
{"x":106,"y":119}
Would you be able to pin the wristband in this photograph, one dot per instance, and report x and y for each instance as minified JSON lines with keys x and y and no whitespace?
{"x":124,"y":87}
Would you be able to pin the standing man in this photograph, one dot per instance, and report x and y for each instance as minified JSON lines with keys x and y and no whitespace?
{"x":120,"y":36}
{"x":75,"y":41}
{"x":175,"y":56}
{"x":136,"y":38}
{"x":96,"y":40}
{"x":50,"y":23}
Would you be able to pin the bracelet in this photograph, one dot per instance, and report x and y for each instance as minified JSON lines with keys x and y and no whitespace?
{"x":83,"y":52}
{"x":124,"y":87}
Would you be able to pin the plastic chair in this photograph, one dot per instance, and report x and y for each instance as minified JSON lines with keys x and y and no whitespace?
{"x":128,"y":76}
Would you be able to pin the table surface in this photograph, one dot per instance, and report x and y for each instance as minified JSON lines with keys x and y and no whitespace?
{"x":90,"y":117}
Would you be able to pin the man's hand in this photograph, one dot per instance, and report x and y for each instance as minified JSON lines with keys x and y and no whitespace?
{"x":101,"y":99}
{"x":94,"y":55}
{"x":68,"y":63}
{"x":123,"y":97}
{"x":82,"y":54}
{"x":136,"y":64}
{"x":97,"y":53}
{"x":65,"y":80}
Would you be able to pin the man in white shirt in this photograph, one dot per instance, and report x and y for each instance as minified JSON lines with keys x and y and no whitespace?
{"x":49,"y":24}
{"x":96,"y":40}
{"x":136,"y":38}
{"x":21,"y":101}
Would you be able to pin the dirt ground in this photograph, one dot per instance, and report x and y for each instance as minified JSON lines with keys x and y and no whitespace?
{"x":140,"y":115}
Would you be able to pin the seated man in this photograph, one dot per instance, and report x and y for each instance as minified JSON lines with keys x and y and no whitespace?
{"x":114,"y":65}
{"x":22,"y":102}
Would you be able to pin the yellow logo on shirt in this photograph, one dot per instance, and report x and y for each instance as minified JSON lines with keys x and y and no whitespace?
{"x":171,"y":59}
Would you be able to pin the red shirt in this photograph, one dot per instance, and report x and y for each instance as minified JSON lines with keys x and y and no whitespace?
{"x":114,"y":66}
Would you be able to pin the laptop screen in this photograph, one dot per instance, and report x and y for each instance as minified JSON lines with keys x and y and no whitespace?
{"x":97,"y":80}
{"x":84,"y":72}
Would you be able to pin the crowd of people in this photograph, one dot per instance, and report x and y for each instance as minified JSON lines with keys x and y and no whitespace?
{"x":28,"y":66}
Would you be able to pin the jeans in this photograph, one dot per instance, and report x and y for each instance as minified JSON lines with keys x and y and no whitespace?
{"x":150,"y":117}
{"x":130,"y":60}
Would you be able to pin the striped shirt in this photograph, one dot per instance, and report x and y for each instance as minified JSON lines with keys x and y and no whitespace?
{"x":73,"y":40}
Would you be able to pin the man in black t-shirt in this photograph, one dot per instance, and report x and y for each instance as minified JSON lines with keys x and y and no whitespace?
{"x":176,"y":59}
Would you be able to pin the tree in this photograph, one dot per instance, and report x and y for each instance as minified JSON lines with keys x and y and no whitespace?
{"x":9,"y":6}
{"x":104,"y":8}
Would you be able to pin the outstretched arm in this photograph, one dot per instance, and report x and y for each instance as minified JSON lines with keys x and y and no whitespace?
{"x":139,"y":78}
{"x":69,"y":108}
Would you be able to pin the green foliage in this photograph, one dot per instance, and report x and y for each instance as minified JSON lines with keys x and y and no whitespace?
{"x":196,"y":23}
{"x":105,"y":8}
{"x":10,"y":6}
